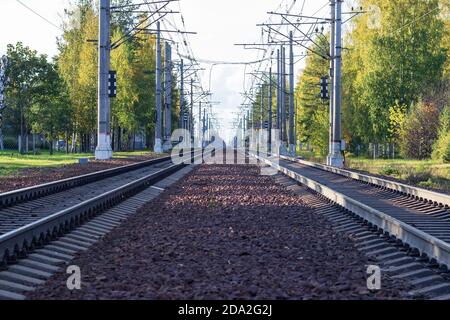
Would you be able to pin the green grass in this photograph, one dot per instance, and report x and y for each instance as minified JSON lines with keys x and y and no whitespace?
{"x":424,"y":173}
{"x":12,"y":162}
{"x":311,"y":156}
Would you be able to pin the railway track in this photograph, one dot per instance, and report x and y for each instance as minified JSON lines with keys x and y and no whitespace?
{"x":404,"y":228}
{"x":44,"y":226}
{"x":65,"y":194}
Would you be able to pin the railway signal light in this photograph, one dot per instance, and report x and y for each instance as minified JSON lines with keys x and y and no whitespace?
{"x":112,"y":84}
{"x":324,"y":94}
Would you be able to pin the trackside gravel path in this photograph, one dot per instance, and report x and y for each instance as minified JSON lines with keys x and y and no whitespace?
{"x":223,"y":232}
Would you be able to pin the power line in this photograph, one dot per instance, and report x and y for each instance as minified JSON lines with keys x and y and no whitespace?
{"x":205,"y":61}
{"x":415,"y":20}
{"x":39,"y":15}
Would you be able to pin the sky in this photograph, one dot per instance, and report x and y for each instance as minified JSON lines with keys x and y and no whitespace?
{"x":219,"y":25}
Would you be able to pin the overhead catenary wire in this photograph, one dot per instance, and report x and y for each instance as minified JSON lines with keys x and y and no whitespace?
{"x":39,"y":15}
{"x":274,"y":37}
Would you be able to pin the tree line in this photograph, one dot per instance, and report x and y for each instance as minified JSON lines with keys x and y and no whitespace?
{"x":396,"y":81}
{"x":57,"y":97}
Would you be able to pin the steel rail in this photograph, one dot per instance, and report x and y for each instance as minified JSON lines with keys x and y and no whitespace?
{"x":19,"y":242}
{"x":24,"y":239}
{"x":26,"y":194}
{"x":437,"y":198}
{"x":415,"y":238}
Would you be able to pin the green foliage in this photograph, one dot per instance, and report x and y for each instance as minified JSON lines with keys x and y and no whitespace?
{"x":133,"y":110}
{"x":51,"y":115}
{"x":425,"y":173}
{"x":390,"y":63}
{"x":36,"y":94}
{"x":397,"y":117}
{"x":420,"y":131}
{"x":446,"y":156}
{"x":122,"y":106}
{"x":312,"y":111}
{"x":441,"y":148}
{"x":26,"y":73}
{"x":394,"y":57}
{"x":389,"y":171}
{"x":77,"y":65}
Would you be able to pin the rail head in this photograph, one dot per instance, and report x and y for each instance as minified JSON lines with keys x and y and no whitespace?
{"x":441,"y":199}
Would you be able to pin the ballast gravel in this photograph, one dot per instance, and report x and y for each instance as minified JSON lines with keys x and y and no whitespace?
{"x":223,"y":232}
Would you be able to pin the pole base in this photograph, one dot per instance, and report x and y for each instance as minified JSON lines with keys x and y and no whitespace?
{"x":103,"y":150}
{"x":283,"y":149}
{"x":103,"y":154}
{"x":292,"y":150}
{"x":335,"y":158}
{"x":167,"y":146}
{"x":158,"y":146}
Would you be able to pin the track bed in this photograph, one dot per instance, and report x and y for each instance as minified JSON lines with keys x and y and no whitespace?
{"x":224,"y":232}
{"x":434,"y":220}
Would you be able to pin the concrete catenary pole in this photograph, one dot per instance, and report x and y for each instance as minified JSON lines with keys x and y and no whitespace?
{"x":269,"y":127}
{"x":208,"y":136}
{"x":103,"y":150}
{"x":292,"y":143}
{"x":182,"y":111}
{"x":247,"y":124}
{"x":200,"y":124}
{"x":331,"y":91}
{"x":203,"y":127}
{"x":283,"y":95}
{"x":336,"y":158}
{"x":158,"y":126}
{"x":261,"y":108}
{"x":191,"y":115}
{"x":244,"y":126}
{"x":168,"y":91}
{"x":278,"y":126}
